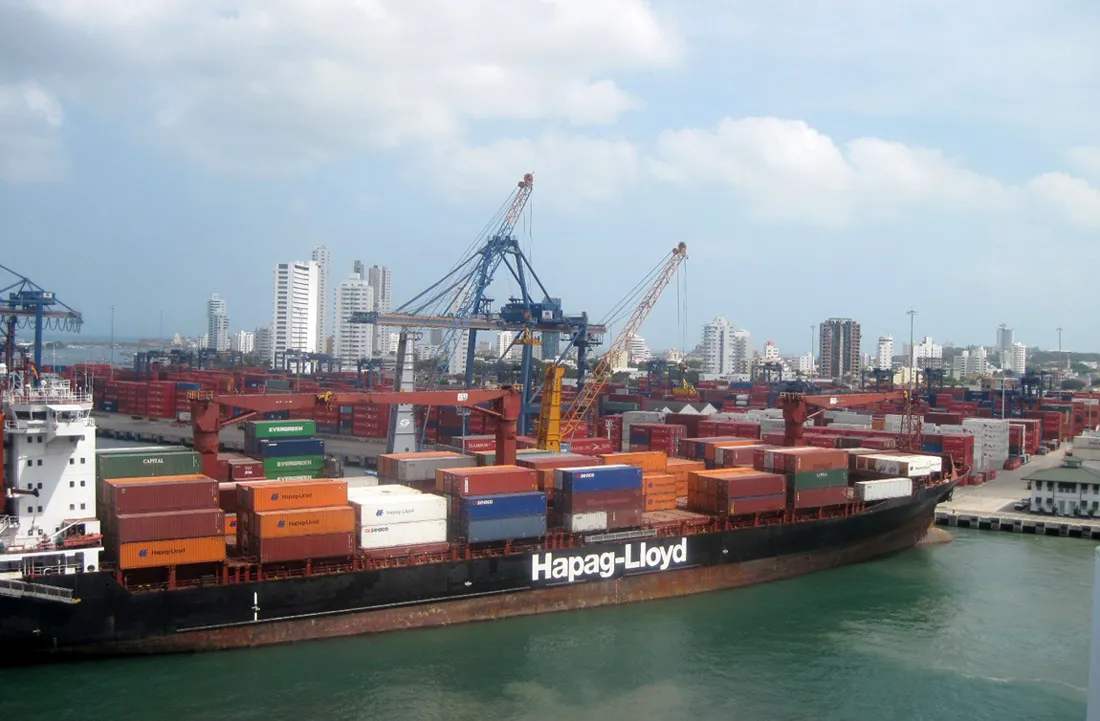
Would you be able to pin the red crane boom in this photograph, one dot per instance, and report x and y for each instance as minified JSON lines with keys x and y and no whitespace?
{"x":796,"y":408}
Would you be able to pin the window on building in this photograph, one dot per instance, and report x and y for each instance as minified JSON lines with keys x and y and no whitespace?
{"x":72,"y":506}
{"x":40,"y":461}
{"x":30,"y":509}
{"x":40,"y":509}
{"x":40,"y":439}
{"x":30,"y":462}
{"x":72,"y":461}
{"x":40,"y":486}
{"x":82,"y":506}
{"x":72,"y":484}
{"x":82,"y":460}
{"x":82,"y":484}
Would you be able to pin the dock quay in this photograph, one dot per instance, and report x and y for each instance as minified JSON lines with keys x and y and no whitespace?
{"x":989,"y":507}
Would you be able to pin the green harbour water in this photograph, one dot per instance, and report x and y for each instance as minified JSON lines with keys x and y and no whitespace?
{"x":991,"y":626}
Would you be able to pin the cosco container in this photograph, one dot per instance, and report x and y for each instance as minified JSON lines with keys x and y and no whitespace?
{"x":504,"y":505}
{"x":597,"y":478}
{"x":177,"y":552}
{"x":298,"y":548}
{"x":883,"y":489}
{"x":276,"y":467}
{"x":413,"y":533}
{"x":379,"y":505}
{"x":147,"y":463}
{"x":583,"y":522}
{"x":166,"y":494}
{"x":503,"y":529}
{"x":192,"y":523}
{"x":301,"y":522}
{"x":289,"y":495}
{"x":280,"y":429}
{"x":290,"y":447}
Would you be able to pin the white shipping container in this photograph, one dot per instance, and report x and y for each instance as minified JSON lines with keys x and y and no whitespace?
{"x":380,"y":507}
{"x":1086,"y":454}
{"x":581,"y":522}
{"x":885,"y":488}
{"x":1085,"y":442}
{"x":403,"y":534}
{"x":900,"y":465}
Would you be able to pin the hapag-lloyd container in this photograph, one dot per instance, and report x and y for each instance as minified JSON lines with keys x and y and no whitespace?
{"x":883,"y":489}
{"x":147,"y":463}
{"x":175,"y":552}
{"x":191,"y":523}
{"x":504,"y":505}
{"x":658,"y":483}
{"x":503,"y":529}
{"x":413,"y":533}
{"x":486,"y":480}
{"x":168,"y":494}
{"x":647,"y":461}
{"x":297,"y":548}
{"x":288,"y":495}
{"x":379,"y":505}
{"x":301,"y":522}
{"x":597,"y":478}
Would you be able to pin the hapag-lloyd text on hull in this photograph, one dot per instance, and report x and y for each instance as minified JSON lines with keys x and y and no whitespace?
{"x":571,"y":566}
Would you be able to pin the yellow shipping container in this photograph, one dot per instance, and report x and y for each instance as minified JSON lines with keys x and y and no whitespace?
{"x":150,"y":554}
{"x":301,"y":522}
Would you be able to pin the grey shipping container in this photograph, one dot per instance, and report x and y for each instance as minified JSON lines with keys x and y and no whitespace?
{"x":489,"y":458}
{"x":504,"y":529}
{"x":423,"y":469}
{"x":148,"y":463}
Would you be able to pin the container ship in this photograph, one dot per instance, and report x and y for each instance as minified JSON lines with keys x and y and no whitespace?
{"x":159,"y":550}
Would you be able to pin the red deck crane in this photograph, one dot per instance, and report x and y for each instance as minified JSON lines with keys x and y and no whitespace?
{"x":797,"y":409}
{"x":207,"y":418}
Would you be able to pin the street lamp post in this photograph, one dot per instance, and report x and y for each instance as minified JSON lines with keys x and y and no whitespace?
{"x":912,"y":351}
{"x":813,"y":368}
{"x":112,"y":335}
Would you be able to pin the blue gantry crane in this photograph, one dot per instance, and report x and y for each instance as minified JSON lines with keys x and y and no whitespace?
{"x":24,"y":304}
{"x":460,"y":305}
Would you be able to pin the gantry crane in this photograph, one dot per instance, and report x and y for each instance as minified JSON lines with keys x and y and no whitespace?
{"x":553,"y":429}
{"x":28,"y":305}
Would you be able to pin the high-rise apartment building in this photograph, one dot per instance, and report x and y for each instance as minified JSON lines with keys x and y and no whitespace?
{"x":970,"y":362}
{"x":324,"y":302}
{"x":840,"y":347}
{"x":717,"y":347}
{"x":1019,"y":357}
{"x":353,"y":340}
{"x":741,"y":351}
{"x":884,"y":358}
{"x":928,"y":354}
{"x":380,"y":280}
{"x":295,"y":316}
{"x":243,"y":341}
{"x":217,"y":324}
{"x":264,"y":347}
{"x":638,"y":350}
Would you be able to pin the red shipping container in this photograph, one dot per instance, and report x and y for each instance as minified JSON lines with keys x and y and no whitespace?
{"x":773,"y":439}
{"x":624,"y":499}
{"x":298,"y":548}
{"x":194,"y":523}
{"x":488,"y":480}
{"x":623,"y":518}
{"x":162,"y":495}
{"x":791,"y":460}
{"x":246,"y":469}
{"x":758,"y":504}
{"x":563,"y":461}
{"x":733,"y":456}
{"x":818,"y":497}
{"x":757,"y":484}
{"x":591,"y":446}
{"x":227,"y":497}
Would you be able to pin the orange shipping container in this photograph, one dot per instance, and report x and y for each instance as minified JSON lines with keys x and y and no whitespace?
{"x":289,"y":495}
{"x":209,"y":549}
{"x":648,"y":461}
{"x":661,"y":501}
{"x":658,"y":483}
{"x":301,"y":522}
{"x":676,"y":466}
{"x":231,"y":528}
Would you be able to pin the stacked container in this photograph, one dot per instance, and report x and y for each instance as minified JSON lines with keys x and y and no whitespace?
{"x":295,"y":520}
{"x":286,"y":448}
{"x":544,"y":467}
{"x":681,"y":469}
{"x":418,"y":469}
{"x":394,"y":515}
{"x":658,"y":486}
{"x":599,"y":498}
{"x":736,"y":491}
{"x":496,"y":492}
{"x":816,"y":477}
{"x":899,"y":464}
{"x":883,"y":489}
{"x":162,"y":521}
{"x":991,"y":441}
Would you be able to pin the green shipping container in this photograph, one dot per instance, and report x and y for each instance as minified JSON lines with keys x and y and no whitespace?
{"x":147,"y":463}
{"x":297,"y":476}
{"x":818,"y":479}
{"x":282,"y":429}
{"x":618,"y":407}
{"x":281,"y":467}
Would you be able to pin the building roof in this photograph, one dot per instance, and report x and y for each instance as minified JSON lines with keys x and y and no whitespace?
{"x":1065,"y":474}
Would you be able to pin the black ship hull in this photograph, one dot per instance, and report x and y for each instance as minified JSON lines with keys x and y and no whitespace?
{"x":110,"y":620}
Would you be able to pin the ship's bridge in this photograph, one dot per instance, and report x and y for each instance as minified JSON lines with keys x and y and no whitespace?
{"x":52,"y":408}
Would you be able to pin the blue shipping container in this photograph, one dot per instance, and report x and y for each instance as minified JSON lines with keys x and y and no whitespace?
{"x":287,"y":447}
{"x":503,"y":529}
{"x":505,"y":505}
{"x":932,"y":448}
{"x":188,"y":387}
{"x":110,"y":405}
{"x":600,"y":478}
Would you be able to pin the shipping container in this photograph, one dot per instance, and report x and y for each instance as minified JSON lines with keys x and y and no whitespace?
{"x":660,"y":501}
{"x":883,"y":489}
{"x":486,"y":480}
{"x":173,"y":493}
{"x":300,"y":522}
{"x":731,"y":456}
{"x":175,"y":552}
{"x":231,"y":528}
{"x":756,"y":504}
{"x":901,"y":464}
{"x":584,"y":522}
{"x":504,"y":505}
{"x":647,"y":461}
{"x":290,"y":447}
{"x":624,"y":518}
{"x":406,"y":467}
{"x":290,"y":495}
{"x":164,"y":526}
{"x":597,"y":478}
{"x":623,"y":499}
{"x":380,"y":505}
{"x":794,"y":460}
{"x":280,"y":429}
{"x":413,"y":533}
{"x":503,"y":529}
{"x":227,"y":497}
{"x":147,"y":463}
{"x":298,"y":548}
{"x":819,"y":497}
{"x":279,"y":467}
{"x":819,"y":479}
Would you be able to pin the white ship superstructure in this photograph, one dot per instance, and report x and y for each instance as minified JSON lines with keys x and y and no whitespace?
{"x":49,"y":520}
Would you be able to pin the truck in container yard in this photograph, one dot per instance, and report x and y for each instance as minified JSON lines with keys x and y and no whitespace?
{"x":317,"y":559}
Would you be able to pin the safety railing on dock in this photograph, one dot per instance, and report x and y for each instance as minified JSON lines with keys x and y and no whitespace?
{"x":42,"y":591}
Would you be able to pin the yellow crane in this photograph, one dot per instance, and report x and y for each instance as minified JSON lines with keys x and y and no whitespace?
{"x":553,"y":424}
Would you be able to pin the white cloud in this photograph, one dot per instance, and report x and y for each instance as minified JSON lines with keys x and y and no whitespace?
{"x":31,"y":149}
{"x":288,"y":84}
{"x":1069,"y":197}
{"x":1086,"y":158}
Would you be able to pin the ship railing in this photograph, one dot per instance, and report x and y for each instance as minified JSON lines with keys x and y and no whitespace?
{"x":8,"y":522}
{"x":23,"y":589}
{"x":26,"y":395}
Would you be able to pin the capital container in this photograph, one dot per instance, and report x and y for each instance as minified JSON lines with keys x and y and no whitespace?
{"x":503,"y":505}
{"x":281,"y":429}
{"x":377,"y":506}
{"x":274,"y":467}
{"x":818,"y":479}
{"x":297,"y":548}
{"x":818,"y":497}
{"x":582,"y":522}
{"x":597,"y":478}
{"x":290,"y":447}
{"x":503,"y":529}
{"x":487,"y":480}
{"x":586,"y":501}
{"x":147,"y":463}
{"x":289,"y":495}
{"x":163,"y":526}
{"x":413,"y":533}
{"x":176,"y":552}
{"x":883,"y":489}
{"x":301,"y":522}
{"x":167,"y":494}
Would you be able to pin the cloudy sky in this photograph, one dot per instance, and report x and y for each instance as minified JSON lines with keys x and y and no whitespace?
{"x":842,"y":158}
